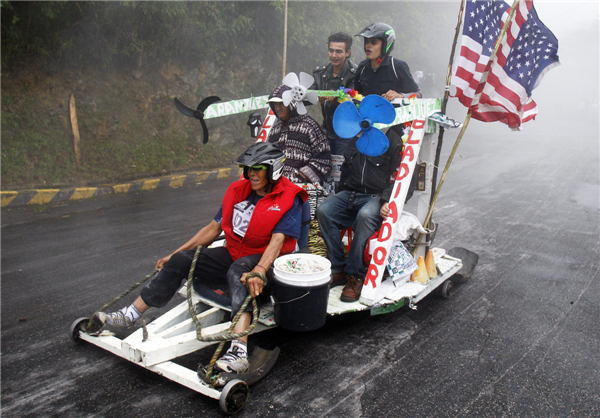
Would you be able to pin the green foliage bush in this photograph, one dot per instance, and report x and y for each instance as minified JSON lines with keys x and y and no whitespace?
{"x":125,"y":61}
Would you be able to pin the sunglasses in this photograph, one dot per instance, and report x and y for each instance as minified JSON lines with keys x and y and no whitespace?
{"x":255,"y":167}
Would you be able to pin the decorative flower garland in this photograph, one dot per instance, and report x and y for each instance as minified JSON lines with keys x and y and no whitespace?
{"x":344,"y":95}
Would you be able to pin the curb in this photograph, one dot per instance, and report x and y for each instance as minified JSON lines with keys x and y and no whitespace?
{"x":45,"y":196}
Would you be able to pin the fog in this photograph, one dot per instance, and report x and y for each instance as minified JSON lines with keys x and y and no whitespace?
{"x":569,"y":91}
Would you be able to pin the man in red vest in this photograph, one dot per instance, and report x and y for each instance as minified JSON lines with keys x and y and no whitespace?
{"x":261,"y":219}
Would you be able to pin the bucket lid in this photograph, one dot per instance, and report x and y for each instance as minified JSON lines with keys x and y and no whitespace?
{"x":302,"y":269}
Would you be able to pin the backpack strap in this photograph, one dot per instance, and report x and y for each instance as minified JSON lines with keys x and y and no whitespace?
{"x":394,"y":68}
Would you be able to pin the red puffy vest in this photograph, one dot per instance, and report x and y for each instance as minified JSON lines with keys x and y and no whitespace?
{"x":266,"y":215}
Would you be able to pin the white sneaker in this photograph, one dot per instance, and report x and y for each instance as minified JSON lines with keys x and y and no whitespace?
{"x":115,"y":319}
{"x":234,"y":361}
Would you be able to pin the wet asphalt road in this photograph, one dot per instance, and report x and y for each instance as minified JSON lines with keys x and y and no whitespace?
{"x":520,"y":339}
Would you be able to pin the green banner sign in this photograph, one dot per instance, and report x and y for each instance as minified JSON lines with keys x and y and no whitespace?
{"x":421,"y":109}
{"x":235,"y":106}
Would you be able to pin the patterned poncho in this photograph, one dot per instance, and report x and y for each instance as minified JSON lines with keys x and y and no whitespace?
{"x":305,"y":146}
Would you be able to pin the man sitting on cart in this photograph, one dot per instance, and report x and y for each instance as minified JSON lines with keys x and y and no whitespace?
{"x":261,"y":218}
{"x":365,"y":186}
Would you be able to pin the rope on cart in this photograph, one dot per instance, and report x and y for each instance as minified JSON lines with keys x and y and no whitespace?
{"x":121,"y":296}
{"x":228,"y":336}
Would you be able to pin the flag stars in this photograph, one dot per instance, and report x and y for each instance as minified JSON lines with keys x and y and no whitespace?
{"x":534,"y":47}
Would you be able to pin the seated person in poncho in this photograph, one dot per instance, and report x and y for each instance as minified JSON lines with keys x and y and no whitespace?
{"x":306,"y":149}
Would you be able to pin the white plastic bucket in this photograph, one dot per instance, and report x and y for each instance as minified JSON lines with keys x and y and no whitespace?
{"x":303,"y":279}
{"x":300,"y":299}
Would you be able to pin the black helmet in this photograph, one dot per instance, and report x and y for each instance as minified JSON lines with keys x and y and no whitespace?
{"x":263,"y":153}
{"x":381,"y":31}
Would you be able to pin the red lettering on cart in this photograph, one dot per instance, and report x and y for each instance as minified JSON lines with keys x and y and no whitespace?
{"x":403,"y":171}
{"x":372,"y":276}
{"x":385,"y":233}
{"x":393,"y":212}
{"x":409,"y":153}
{"x":379,"y":255}
{"x":398,"y":190}
{"x":262,"y":137}
{"x":418,"y":124}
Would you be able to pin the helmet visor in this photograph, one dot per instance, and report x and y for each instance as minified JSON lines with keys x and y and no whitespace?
{"x":258,"y":167}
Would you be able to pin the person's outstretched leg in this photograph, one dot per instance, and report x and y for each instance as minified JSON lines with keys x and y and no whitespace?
{"x":212,"y":262}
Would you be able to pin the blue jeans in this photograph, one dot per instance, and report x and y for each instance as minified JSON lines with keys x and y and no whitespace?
{"x":334,"y":215}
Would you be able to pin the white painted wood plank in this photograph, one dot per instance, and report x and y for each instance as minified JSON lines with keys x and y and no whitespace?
{"x":186,"y":377}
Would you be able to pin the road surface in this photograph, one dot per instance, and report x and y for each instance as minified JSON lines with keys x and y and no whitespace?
{"x":520,"y":339}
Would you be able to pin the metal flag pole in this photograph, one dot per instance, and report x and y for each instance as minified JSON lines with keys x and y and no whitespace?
{"x":474,"y":103}
{"x":285,"y":14}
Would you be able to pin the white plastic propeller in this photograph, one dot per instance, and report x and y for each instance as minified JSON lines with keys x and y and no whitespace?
{"x":298,"y":91}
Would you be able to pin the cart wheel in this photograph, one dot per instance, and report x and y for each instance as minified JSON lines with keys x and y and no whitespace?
{"x":79,"y":325}
{"x":234,"y":396}
{"x":446,"y":289}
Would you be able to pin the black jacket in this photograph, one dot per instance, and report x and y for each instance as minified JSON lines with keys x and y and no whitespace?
{"x":392,"y":74}
{"x":371,"y":175}
{"x":324,"y":80}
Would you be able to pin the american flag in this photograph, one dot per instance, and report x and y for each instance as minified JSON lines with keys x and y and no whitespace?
{"x":528,"y":50}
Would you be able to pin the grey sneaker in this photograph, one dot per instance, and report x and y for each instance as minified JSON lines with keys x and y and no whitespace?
{"x":115,"y":319}
{"x":234,"y":361}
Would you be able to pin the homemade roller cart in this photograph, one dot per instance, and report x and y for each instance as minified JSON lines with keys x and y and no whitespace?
{"x":156,"y":345}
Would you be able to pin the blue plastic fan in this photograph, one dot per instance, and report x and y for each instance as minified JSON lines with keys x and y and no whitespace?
{"x":349,"y":122}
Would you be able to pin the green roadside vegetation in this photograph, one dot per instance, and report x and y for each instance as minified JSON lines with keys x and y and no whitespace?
{"x":124,"y":62}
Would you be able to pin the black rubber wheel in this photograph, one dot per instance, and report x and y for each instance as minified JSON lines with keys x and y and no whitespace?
{"x":446,"y":289}
{"x":234,"y":396}
{"x":78,"y":325}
